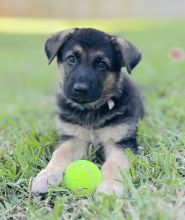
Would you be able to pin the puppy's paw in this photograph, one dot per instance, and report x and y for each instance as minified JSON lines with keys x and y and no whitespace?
{"x":110,"y":186}
{"x":47,"y":177}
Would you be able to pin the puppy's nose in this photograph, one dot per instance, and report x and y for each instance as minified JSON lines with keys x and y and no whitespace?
{"x":80,"y":88}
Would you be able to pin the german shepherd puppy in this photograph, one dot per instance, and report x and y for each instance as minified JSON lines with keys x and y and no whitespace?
{"x":98,"y":104}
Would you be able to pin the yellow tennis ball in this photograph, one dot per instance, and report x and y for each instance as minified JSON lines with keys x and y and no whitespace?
{"x":82,"y":177}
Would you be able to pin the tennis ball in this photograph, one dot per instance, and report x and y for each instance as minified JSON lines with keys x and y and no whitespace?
{"x":82,"y":177}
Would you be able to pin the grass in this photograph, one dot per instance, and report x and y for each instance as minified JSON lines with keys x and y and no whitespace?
{"x":155,"y":183}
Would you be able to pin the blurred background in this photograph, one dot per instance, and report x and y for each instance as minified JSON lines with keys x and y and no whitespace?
{"x":46,"y":16}
{"x":93,"y":8}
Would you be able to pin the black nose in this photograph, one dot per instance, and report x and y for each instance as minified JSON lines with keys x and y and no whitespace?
{"x":80,"y":88}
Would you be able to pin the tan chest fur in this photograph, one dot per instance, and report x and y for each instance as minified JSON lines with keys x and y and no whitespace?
{"x":107,"y":136}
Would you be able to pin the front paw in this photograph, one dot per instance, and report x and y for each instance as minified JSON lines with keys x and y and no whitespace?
{"x":47,"y":177}
{"x":110,"y":186}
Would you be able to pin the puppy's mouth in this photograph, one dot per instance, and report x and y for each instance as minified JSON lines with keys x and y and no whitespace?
{"x":83,"y":100}
{"x":80,"y":100}
{"x":87,"y":96}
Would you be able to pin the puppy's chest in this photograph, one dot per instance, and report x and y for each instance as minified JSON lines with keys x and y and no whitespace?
{"x":84,"y":134}
{"x":102,"y":136}
{"x":94,"y":138}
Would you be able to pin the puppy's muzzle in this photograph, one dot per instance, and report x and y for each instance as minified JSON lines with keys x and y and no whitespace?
{"x":80,"y":89}
{"x":80,"y":92}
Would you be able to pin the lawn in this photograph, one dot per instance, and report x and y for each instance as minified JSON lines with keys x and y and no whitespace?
{"x":155,"y":183}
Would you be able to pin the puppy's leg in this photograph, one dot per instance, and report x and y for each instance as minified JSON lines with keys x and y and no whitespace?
{"x":69,"y":150}
{"x":115,"y":139}
{"x":115,"y":160}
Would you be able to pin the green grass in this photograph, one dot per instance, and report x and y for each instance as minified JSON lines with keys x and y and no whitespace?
{"x":155,"y":183}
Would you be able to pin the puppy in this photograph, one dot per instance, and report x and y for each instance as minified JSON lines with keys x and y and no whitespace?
{"x":98,"y":104}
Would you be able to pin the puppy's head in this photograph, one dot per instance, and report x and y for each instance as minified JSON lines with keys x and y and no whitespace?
{"x":90,"y":62}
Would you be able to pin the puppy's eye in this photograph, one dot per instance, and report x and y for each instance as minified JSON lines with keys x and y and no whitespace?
{"x":102,"y":65}
{"x":71,"y":59}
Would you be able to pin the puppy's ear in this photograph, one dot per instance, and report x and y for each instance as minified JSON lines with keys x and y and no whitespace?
{"x":130,"y":55}
{"x":54,"y":42}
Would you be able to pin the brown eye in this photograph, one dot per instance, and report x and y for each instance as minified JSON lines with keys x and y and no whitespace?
{"x":71,"y":59}
{"x":102,"y":65}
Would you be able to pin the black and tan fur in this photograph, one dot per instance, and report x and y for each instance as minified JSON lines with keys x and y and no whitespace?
{"x":98,"y":103}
